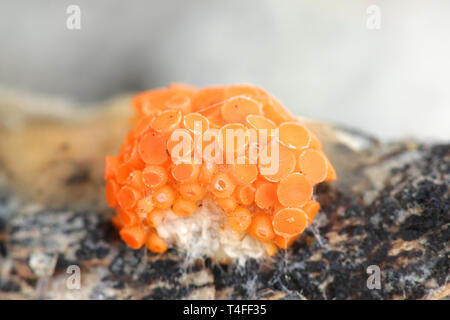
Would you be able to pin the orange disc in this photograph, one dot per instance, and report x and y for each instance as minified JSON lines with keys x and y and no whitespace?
{"x":128,"y":197}
{"x":294,"y":135}
{"x":313,"y":165}
{"x":153,"y":149}
{"x":167,"y":121}
{"x":277,"y":165}
{"x":294,"y":190}
{"x":236,"y":109}
{"x":289,"y":221}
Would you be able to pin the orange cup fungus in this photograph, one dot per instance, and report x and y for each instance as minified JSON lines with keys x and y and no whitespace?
{"x":235,"y":144}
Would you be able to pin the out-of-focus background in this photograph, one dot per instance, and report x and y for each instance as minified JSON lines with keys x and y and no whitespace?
{"x":317,"y":56}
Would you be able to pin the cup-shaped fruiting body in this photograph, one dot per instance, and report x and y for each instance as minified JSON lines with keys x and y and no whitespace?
{"x":234,"y":146}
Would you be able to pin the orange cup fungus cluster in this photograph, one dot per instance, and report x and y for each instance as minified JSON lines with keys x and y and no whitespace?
{"x":150,"y":175}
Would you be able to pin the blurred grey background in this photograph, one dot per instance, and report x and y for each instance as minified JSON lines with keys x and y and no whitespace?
{"x":317,"y":56}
